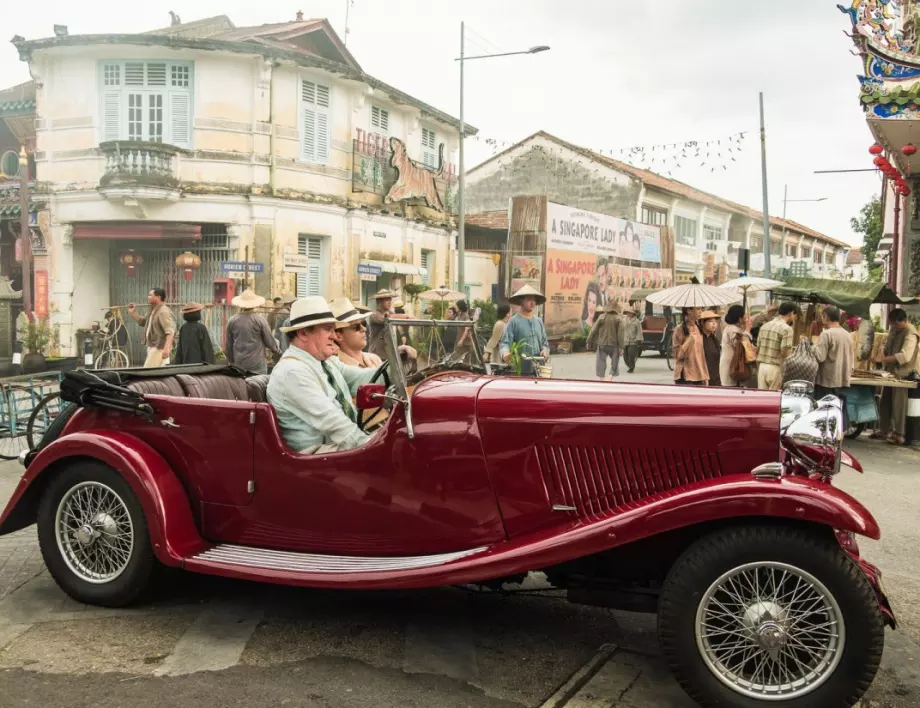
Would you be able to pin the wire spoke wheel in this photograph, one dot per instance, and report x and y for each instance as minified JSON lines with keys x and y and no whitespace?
{"x":112,"y":359}
{"x":11,"y":444}
{"x":770,"y":631}
{"x":94,"y":532}
{"x":44,"y":414}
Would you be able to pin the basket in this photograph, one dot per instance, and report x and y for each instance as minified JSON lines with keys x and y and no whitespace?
{"x":544,"y":371}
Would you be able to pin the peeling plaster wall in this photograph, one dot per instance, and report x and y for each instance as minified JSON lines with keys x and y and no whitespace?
{"x":538,"y":172}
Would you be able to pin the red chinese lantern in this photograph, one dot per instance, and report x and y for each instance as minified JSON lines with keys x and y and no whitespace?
{"x":909,"y":149}
{"x":188,"y":263}
{"x":876,"y":149}
{"x":131,"y":260}
{"x":880,"y":162}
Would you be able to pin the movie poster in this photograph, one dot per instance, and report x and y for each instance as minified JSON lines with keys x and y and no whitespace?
{"x":573,"y":294}
{"x":526,"y":270}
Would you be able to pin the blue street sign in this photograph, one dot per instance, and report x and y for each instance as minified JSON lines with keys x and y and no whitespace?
{"x":240,"y":267}
{"x":368,"y":269}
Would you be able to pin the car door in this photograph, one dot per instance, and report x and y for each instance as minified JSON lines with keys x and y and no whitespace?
{"x":209,"y":443}
{"x":393,"y":496}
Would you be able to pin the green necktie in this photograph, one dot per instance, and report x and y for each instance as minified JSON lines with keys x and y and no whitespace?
{"x":343,"y":400}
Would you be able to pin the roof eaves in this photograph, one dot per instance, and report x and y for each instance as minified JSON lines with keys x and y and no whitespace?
{"x":27,"y":47}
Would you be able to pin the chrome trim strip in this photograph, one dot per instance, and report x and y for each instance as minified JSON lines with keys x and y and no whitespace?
{"x":317,"y":563}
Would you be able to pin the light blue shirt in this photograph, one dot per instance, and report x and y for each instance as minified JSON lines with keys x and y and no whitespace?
{"x":304,"y":401}
{"x":529,"y":330}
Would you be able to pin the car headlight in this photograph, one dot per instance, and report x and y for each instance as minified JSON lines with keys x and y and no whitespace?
{"x":816,"y":438}
{"x":796,"y":402}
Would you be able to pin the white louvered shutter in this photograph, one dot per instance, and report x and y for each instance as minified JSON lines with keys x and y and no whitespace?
{"x":310,"y":283}
{"x":180,"y":119}
{"x":110,"y":118}
{"x":315,"y":99}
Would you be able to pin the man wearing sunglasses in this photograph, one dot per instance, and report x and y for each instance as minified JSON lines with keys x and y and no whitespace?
{"x":351,"y":335}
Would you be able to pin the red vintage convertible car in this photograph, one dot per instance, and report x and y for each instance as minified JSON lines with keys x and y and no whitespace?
{"x":712,"y":507}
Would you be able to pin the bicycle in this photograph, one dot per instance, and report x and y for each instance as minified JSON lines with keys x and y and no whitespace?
{"x":112,"y":356}
{"x":540,"y":368}
{"x":18,"y":399}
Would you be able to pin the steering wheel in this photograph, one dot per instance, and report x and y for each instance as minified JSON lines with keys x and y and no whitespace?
{"x":368,"y":422}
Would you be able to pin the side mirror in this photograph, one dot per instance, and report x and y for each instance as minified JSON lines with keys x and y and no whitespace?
{"x":370,"y":396}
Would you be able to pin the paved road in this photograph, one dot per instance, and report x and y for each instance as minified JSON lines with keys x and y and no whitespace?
{"x":229,"y":643}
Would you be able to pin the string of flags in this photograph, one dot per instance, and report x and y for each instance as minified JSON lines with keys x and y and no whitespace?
{"x":717,"y":154}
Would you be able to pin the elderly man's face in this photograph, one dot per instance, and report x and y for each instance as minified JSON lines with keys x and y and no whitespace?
{"x":318,"y":341}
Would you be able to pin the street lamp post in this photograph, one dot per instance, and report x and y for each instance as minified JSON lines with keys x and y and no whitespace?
{"x":25,"y":233}
{"x":461,"y":190}
{"x":786,"y":199}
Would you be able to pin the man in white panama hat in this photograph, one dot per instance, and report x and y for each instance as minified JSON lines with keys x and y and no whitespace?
{"x":311,"y":388}
{"x":525,"y":327}
{"x":248,"y":335}
{"x":384,"y":299}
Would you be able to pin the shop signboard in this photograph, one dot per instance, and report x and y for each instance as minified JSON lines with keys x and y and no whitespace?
{"x":41,"y":294}
{"x":593,"y":259}
{"x":295,"y":263}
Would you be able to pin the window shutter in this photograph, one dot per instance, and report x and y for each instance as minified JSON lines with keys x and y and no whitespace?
{"x":316,"y":139}
{"x":310,"y":283}
{"x":111,"y":115}
{"x":426,"y":264}
{"x":322,"y":137}
{"x":180,"y":119}
{"x":380,"y":118}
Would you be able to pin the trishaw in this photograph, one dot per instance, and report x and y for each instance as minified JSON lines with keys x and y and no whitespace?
{"x":657,"y":326}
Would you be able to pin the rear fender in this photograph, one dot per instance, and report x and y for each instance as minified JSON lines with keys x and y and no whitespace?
{"x":164,"y":500}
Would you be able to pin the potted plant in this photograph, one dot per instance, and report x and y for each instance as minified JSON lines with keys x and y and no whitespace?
{"x":34,"y":335}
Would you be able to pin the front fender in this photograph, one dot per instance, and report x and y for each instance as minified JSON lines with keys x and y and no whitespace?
{"x":173,"y":533}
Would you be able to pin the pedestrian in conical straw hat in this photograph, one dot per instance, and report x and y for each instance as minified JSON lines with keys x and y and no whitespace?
{"x":527,"y":291}
{"x":345,"y":313}
{"x":248,"y":300}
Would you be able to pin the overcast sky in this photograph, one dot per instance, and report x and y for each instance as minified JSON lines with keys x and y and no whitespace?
{"x":619,"y":74}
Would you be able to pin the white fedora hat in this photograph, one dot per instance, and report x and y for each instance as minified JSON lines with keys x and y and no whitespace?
{"x":248,"y":300}
{"x":345,"y":312}
{"x":309,"y":312}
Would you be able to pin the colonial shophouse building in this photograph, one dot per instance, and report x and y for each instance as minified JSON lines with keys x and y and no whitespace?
{"x":701,"y":233}
{"x":165,"y":157}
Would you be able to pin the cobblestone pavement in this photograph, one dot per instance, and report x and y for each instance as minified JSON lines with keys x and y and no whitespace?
{"x":20,"y":558}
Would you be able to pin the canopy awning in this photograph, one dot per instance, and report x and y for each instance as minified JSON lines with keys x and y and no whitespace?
{"x":852,"y":296}
{"x":135,"y":231}
{"x":394,"y":267}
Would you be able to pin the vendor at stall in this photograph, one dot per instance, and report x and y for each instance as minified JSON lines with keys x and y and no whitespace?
{"x":900,"y":357}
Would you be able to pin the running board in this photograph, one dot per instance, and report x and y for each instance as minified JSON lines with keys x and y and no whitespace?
{"x":255,"y":560}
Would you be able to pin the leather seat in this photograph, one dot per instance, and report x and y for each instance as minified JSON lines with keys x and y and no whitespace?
{"x":214,"y":386}
{"x":165,"y":386}
{"x":256,"y":387}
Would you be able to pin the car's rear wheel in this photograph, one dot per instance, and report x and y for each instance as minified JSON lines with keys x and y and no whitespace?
{"x":770,"y":616}
{"x":93,"y":536}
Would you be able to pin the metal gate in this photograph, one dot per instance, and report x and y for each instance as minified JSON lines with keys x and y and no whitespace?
{"x":159,"y":271}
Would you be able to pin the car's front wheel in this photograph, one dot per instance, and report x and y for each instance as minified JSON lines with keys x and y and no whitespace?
{"x":93,"y":536}
{"x":770,"y":616}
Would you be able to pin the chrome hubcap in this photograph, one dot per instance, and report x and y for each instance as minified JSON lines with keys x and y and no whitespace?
{"x":94,"y":533}
{"x":770,"y":631}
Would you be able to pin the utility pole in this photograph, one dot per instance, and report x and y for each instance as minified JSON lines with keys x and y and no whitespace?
{"x":461,"y":187}
{"x":25,"y":233}
{"x":767,"y":244}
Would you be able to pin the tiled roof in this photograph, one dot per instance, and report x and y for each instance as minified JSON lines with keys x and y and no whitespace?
{"x":18,"y":100}
{"x":198,"y":29}
{"x":672,"y":186}
{"x":854,"y":256}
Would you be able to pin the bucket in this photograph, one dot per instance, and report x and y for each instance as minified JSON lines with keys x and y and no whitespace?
{"x":544,"y":371}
